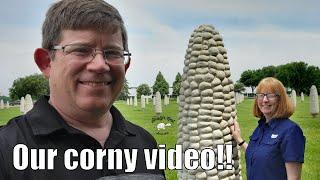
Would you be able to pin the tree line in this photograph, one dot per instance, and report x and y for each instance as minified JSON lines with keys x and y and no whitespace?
{"x":37,"y":85}
{"x":160,"y":84}
{"x":295,"y":75}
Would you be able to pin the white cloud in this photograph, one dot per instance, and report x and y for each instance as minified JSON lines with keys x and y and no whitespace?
{"x":158,"y":43}
{"x":17,"y":46}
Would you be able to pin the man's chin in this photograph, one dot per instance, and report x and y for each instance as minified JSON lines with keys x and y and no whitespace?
{"x":94,"y":105}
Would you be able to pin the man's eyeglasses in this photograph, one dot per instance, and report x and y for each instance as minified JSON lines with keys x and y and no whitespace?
{"x":270,"y":96}
{"x":86,"y":53}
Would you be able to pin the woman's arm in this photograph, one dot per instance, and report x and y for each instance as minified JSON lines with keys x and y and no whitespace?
{"x":292,"y":150}
{"x":236,"y":133}
{"x":293,"y":170}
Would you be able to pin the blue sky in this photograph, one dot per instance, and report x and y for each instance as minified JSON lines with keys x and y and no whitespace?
{"x":256,"y":34}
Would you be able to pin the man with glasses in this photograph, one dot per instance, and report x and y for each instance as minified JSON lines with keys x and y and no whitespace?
{"x":84,"y":56}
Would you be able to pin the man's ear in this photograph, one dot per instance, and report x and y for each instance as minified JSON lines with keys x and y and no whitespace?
{"x":126,"y":66}
{"x":42,"y":59}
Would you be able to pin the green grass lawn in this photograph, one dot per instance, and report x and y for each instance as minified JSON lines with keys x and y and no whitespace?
{"x":309,"y":125}
{"x":6,"y":114}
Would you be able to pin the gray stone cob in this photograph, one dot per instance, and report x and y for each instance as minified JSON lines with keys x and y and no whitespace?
{"x":207,"y":101}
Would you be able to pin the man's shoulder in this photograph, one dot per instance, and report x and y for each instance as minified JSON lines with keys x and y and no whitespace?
{"x":139,"y":131}
{"x":136,"y":129}
{"x":12,"y":125}
{"x":9,"y":133}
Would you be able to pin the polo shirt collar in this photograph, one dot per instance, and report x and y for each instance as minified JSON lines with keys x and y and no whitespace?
{"x":119,"y":122}
{"x":272,"y":123}
{"x":44,"y":119}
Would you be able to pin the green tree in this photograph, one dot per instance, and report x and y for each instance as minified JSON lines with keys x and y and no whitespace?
{"x":36,"y":85}
{"x":268,"y":71}
{"x":5,"y":98}
{"x":298,"y":77}
{"x":124,"y":94}
{"x":295,"y":75}
{"x":314,"y":79}
{"x":283,"y":74}
{"x":160,"y":85}
{"x":176,"y":85}
{"x":143,"y":89}
{"x":239,"y":87}
{"x":251,"y":78}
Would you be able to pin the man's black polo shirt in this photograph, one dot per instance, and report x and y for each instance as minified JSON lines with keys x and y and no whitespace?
{"x":44,"y":128}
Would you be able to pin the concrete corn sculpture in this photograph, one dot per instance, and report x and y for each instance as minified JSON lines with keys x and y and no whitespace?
{"x":207,"y":101}
{"x":314,"y":101}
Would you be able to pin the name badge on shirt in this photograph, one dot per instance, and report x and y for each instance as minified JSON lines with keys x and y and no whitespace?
{"x":273,"y":136}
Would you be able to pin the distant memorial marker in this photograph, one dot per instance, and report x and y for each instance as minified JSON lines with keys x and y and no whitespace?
{"x":314,"y":101}
{"x":28,"y":103}
{"x":158,"y":108}
{"x":1,"y":104}
{"x":143,"y":102}
{"x":135,"y":101}
{"x":22,"y":105}
{"x":294,"y":98}
{"x":166,"y":100}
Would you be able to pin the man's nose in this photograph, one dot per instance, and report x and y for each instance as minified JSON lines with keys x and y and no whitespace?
{"x":98,"y":63}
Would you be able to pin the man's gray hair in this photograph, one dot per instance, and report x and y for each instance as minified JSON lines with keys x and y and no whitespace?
{"x":94,"y":15}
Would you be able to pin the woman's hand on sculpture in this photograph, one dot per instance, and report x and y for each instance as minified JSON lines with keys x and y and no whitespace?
{"x":236,"y":132}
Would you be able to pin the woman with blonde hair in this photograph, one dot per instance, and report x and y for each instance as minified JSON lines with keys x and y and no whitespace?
{"x":276,"y":147}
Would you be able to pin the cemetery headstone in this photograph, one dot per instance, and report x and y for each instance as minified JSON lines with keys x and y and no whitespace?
{"x":143,"y":102}
{"x":135,"y":101}
{"x":294,"y":98}
{"x":1,"y":104}
{"x":28,"y":103}
{"x":314,"y":101}
{"x":22,"y":103}
{"x":158,"y":105}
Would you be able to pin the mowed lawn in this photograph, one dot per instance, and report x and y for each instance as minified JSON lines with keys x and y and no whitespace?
{"x":309,"y":125}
